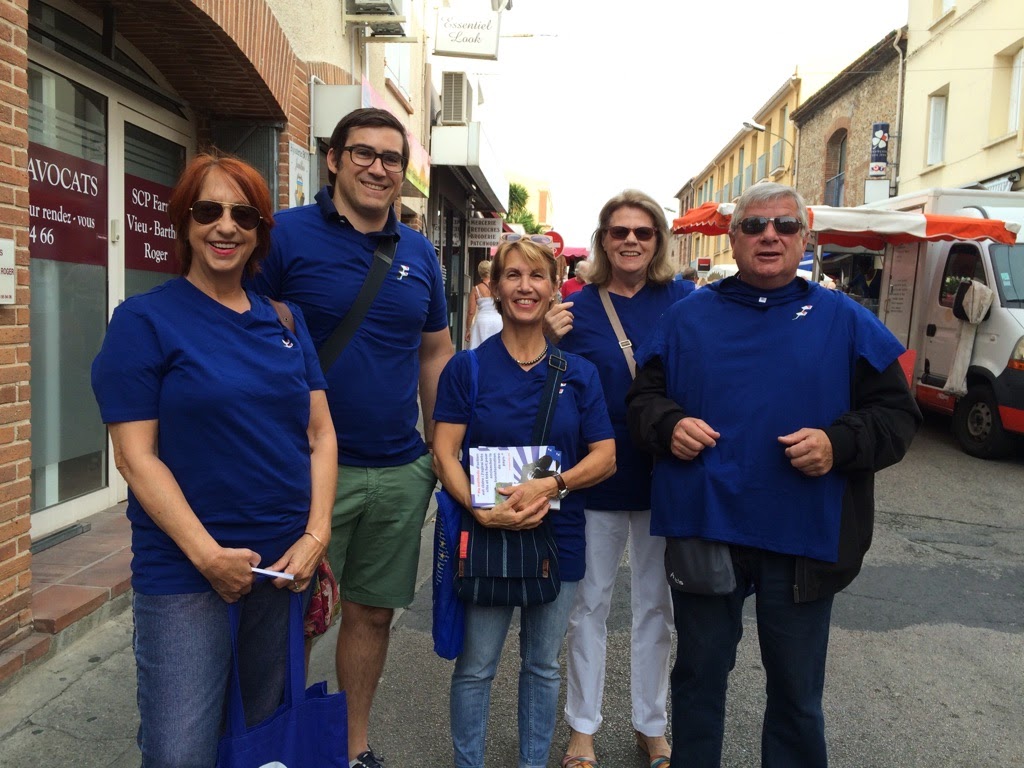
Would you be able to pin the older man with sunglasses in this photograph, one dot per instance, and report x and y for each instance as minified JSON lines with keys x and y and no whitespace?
{"x":769,"y":402}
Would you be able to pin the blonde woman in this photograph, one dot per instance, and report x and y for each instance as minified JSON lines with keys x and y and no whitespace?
{"x":483,"y":320}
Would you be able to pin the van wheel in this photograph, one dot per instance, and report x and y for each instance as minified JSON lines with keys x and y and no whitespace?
{"x":977,"y":426}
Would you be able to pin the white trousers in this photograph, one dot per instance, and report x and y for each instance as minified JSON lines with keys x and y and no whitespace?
{"x":651,"y":638}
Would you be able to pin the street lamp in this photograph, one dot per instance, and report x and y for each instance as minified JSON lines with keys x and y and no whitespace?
{"x":752,"y":126}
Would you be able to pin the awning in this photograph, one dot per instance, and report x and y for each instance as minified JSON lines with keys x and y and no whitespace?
{"x":861,"y":227}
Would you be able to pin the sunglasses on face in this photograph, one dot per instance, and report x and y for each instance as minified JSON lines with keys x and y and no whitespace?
{"x":643,"y":234}
{"x":365,"y":156}
{"x":515,"y":237}
{"x":784,"y":225}
{"x":209,"y":211}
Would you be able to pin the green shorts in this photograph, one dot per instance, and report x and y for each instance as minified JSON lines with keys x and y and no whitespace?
{"x":376,"y":527}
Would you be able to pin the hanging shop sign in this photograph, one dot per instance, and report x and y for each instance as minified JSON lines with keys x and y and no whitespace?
{"x":467,"y":35}
{"x":67,"y":212}
{"x":148,"y":232}
{"x":879,"y":149}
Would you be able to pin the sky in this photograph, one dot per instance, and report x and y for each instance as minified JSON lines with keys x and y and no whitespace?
{"x":600,"y":96}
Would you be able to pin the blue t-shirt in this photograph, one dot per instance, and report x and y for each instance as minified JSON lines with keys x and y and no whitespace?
{"x":231,"y":393}
{"x":592,"y":337}
{"x":319,"y":261}
{"x":756,"y":365}
{"x":508,"y":399}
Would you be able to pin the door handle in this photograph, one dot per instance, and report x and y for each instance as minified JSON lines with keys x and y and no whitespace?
{"x":930,"y":329}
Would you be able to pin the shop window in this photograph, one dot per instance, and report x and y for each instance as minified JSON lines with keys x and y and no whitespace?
{"x":255,"y":144}
{"x":936,"y":128}
{"x":963,"y":263}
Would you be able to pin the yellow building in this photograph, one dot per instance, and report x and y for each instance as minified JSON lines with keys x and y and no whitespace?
{"x":763,"y":148}
{"x":539,"y":202}
{"x":962,"y":110}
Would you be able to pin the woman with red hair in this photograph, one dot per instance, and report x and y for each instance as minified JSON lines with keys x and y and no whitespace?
{"x":220,"y":426}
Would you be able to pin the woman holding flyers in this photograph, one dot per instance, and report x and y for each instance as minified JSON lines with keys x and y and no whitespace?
{"x":220,"y":426}
{"x":631,"y":275}
{"x":512,"y":374}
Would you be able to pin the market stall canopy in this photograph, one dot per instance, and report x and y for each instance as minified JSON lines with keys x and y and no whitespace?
{"x":861,"y":227}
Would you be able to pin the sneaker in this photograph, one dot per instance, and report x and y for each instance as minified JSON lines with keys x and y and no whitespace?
{"x":367,"y":760}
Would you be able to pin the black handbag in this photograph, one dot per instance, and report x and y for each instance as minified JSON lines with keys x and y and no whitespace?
{"x":503,"y":567}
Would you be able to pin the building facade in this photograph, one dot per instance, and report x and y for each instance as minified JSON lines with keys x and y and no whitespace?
{"x":963,"y":123}
{"x":102,"y":104}
{"x":839,"y":129}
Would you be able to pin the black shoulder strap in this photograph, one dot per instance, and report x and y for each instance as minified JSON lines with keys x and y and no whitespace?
{"x":382,"y":259}
{"x":556,"y":368}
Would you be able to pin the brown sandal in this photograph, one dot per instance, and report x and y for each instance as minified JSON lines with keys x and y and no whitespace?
{"x":656,"y":761}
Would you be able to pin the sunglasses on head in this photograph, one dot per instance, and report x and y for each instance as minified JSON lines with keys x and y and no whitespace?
{"x":515,"y":237}
{"x":643,"y":234}
{"x":209,"y":211}
{"x":784,"y":225}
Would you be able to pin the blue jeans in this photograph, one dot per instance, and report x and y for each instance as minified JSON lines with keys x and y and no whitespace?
{"x":794,"y":644}
{"x":541,"y":632}
{"x":183,"y":658}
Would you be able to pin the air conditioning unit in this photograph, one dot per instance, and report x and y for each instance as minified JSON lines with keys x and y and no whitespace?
{"x":456,"y":98}
{"x":374,"y":7}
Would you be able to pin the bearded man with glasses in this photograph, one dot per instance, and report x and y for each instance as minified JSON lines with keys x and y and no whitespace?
{"x":321,"y":256}
{"x":769,"y":403}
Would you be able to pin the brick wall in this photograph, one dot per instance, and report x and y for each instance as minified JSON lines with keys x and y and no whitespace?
{"x":871,"y":100}
{"x":15,"y":430}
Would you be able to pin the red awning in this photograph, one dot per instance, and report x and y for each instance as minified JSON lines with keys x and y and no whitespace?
{"x":862,"y":227}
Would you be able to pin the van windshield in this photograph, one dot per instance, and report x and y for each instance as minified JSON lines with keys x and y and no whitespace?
{"x":1008,"y":262}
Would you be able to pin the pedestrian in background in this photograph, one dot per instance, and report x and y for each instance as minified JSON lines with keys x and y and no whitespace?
{"x":321,"y":256}
{"x":221,"y":429}
{"x":577,"y":281}
{"x":513,"y":371}
{"x":482,"y":320}
{"x":770,"y":402}
{"x":632,"y":272}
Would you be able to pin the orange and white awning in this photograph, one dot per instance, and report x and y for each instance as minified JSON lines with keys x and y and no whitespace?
{"x":862,"y":227}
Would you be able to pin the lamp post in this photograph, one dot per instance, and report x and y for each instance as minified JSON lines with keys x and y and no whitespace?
{"x":752,"y":126}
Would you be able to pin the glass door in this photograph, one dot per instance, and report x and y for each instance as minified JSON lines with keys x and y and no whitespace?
{"x":102,"y":163}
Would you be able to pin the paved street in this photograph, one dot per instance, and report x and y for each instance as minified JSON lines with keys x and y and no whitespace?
{"x":926,"y":663}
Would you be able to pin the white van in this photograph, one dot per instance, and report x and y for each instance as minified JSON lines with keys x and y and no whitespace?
{"x":918,"y":293}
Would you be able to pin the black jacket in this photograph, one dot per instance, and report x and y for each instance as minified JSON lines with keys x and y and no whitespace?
{"x":873,"y":435}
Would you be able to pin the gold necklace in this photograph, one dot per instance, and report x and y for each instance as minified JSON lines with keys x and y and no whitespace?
{"x":535,"y":360}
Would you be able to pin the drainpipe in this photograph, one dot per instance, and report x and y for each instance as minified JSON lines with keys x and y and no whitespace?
{"x":894,"y":185}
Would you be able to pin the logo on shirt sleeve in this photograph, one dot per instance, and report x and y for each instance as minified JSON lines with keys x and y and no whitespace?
{"x":403,"y":271}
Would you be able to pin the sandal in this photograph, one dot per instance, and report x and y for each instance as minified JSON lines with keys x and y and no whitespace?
{"x":656,"y":761}
{"x":575,"y":761}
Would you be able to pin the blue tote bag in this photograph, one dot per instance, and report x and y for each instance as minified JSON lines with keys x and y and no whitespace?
{"x":309,"y":730}
{"x":448,"y":623}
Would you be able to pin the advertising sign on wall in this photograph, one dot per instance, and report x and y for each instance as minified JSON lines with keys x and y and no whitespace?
{"x":8,"y":273}
{"x":67,"y":213}
{"x":298,"y":172}
{"x":484,"y":233}
{"x":879,"y":149}
{"x":148,"y":233}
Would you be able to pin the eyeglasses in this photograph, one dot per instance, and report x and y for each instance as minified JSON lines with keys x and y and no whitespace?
{"x":784,"y":225}
{"x":209,"y":211}
{"x":393,"y":162}
{"x":515,"y":237}
{"x":643,"y":234}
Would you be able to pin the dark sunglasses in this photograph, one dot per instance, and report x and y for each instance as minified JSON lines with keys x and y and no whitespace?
{"x":784,"y":225}
{"x":209,"y":211}
{"x":643,"y":234}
